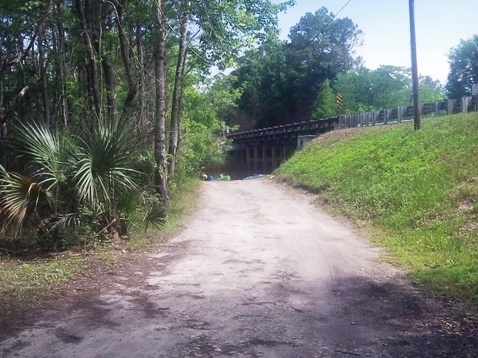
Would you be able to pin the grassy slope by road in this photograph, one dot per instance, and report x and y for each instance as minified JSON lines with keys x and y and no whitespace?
{"x":418,"y":190}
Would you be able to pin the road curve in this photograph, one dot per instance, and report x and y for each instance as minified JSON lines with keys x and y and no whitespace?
{"x":258,"y":271}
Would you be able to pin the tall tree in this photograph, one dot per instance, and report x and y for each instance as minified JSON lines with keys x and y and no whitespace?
{"x":223,"y":30}
{"x":281,"y":81}
{"x":267,"y":86}
{"x":365,"y":89}
{"x":463,"y":68}
{"x":127,"y":58}
{"x":183,"y":10}
{"x":78,"y":62}
{"x":60,"y":63}
{"x":430,"y":90}
{"x":385,"y":87}
{"x":320,"y":48}
{"x":84,"y":13}
{"x":325,"y":105}
{"x":160,"y":71}
{"x":18,"y":35}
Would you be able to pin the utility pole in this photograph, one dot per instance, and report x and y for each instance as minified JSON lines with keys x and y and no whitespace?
{"x":413,"y":45}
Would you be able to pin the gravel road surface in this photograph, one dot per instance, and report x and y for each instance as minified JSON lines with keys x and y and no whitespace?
{"x":258,"y":271}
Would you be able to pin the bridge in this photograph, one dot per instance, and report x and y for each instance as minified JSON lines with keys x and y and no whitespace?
{"x":263,"y":150}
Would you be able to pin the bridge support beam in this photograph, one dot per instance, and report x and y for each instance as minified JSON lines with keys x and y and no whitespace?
{"x":255,"y":162}
{"x":274,"y":158}
{"x":259,"y":158}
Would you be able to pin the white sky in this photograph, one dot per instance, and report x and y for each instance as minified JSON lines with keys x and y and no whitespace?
{"x":440,"y":24}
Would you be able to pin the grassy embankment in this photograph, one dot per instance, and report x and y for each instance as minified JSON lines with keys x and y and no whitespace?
{"x":29,"y":277}
{"x":417,"y":190}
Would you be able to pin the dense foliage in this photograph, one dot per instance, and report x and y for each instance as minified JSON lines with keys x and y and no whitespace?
{"x":299,"y":79}
{"x":71,"y":184}
{"x":386,"y":87}
{"x":463,"y":68}
{"x":101,"y":101}
{"x":281,"y":80}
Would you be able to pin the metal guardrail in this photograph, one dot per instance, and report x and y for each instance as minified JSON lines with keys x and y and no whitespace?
{"x":292,"y":130}
{"x":403,"y":114}
{"x":400,"y":114}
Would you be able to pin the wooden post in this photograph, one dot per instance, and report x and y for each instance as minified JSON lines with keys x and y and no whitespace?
{"x":450,"y":105}
{"x":465,"y":101}
{"x":413,"y":45}
{"x":283,"y":156}
{"x":264,"y":159}
{"x":248,"y":157}
{"x":255,"y":160}
{"x":273,"y":155}
{"x":342,"y":120}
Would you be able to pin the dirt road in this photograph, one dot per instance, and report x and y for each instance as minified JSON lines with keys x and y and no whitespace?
{"x":257,"y":272}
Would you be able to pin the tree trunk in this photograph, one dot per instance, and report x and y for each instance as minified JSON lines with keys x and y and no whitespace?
{"x":130,"y":80}
{"x":42,"y":81}
{"x":160,"y":70}
{"x":58,"y":35}
{"x":175,"y":126}
{"x":3,"y":117}
{"x":110,"y":85}
{"x":144,"y":123}
{"x":91,"y":67}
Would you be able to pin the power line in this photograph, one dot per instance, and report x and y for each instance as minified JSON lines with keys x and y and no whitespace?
{"x":462,"y":22}
{"x":343,"y":7}
{"x":458,"y":15}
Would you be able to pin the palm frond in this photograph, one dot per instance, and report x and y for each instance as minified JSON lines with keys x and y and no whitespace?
{"x":63,"y":222}
{"x":103,"y":162}
{"x":42,"y":150}
{"x":3,"y":172}
{"x":85,"y":180}
{"x":155,"y":217}
{"x":20,"y":197}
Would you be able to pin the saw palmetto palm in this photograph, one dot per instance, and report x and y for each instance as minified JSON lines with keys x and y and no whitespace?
{"x":102,"y":164}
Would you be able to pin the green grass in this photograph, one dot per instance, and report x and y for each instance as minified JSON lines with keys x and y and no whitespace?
{"x":26,"y":283}
{"x":418,"y":190}
{"x":183,"y":202}
{"x":23,"y":279}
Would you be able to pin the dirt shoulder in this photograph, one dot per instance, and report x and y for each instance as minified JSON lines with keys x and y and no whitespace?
{"x":258,"y":271}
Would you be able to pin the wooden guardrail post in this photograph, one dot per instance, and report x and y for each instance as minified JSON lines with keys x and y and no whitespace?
{"x":465,"y":104}
{"x":450,"y":105}
{"x":340,"y":122}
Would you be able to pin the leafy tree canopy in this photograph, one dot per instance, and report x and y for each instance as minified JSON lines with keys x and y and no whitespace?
{"x":386,"y":87}
{"x":68,"y":65}
{"x":463,"y":68}
{"x":281,"y":80}
{"x":325,"y":104}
